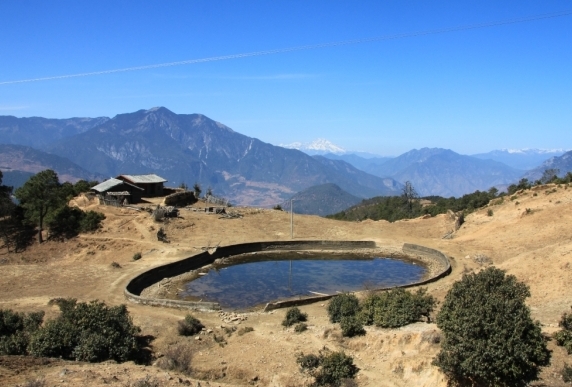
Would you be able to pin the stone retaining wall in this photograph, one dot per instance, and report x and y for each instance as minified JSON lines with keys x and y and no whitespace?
{"x":137,"y":284}
{"x":410,"y":250}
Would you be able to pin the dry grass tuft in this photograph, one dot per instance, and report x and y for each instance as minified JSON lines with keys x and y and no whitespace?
{"x":177,"y":358}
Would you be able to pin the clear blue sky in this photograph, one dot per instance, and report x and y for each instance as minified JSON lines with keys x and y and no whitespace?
{"x":471,"y":91}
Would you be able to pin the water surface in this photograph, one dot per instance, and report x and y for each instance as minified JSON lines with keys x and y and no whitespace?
{"x":242,"y":285}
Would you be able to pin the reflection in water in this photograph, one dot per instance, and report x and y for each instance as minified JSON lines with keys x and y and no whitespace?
{"x":244,"y":285}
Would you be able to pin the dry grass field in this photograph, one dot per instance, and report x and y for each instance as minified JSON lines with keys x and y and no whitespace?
{"x":529,"y":237}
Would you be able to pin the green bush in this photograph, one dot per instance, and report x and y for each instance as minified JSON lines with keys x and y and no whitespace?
{"x":16,"y":330}
{"x":566,"y":373}
{"x":91,"y":221}
{"x":351,"y":326}
{"x":343,"y":305}
{"x":564,"y":337}
{"x":396,"y":308}
{"x":189,"y":326}
{"x":294,"y":316}
{"x":88,"y":332}
{"x":307,"y":362}
{"x":489,"y":337}
{"x":328,"y":368}
{"x":137,"y":256}
{"x":490,"y":212}
{"x":81,"y":186}
{"x":67,"y":222}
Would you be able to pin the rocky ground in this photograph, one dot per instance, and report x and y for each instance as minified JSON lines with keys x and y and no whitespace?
{"x":528,"y":236}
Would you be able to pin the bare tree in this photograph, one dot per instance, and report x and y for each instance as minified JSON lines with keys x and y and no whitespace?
{"x":410,"y":196}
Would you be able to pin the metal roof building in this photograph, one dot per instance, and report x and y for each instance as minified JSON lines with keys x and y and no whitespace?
{"x":120,"y":190}
{"x":151,"y":184}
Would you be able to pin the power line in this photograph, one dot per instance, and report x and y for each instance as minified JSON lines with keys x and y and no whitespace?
{"x":304,"y":48}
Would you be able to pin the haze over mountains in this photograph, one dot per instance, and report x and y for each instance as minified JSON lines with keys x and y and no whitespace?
{"x":189,"y":148}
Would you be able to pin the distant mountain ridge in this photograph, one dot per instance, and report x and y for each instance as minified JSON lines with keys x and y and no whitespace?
{"x":442,"y":172}
{"x":192,"y":148}
{"x":562,"y":163}
{"x":38,"y":132}
{"x":324,"y":199}
{"x":363,"y":163}
{"x":19,"y":158}
{"x":524,"y":159}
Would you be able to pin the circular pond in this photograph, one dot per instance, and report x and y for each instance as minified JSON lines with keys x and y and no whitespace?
{"x":250,"y":280}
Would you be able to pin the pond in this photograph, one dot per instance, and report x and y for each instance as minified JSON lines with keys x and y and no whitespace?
{"x":248,"y":281}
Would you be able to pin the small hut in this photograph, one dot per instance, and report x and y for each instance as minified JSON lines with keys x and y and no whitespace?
{"x":117,"y":192}
{"x":151,"y":184}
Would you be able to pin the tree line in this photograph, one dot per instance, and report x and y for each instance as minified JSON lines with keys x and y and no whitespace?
{"x":42,"y":201}
{"x":410,"y":205}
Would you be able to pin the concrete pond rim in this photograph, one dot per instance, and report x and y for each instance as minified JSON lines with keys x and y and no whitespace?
{"x":436,"y":263}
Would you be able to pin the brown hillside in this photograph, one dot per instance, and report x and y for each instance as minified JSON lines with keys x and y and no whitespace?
{"x":528,"y":236}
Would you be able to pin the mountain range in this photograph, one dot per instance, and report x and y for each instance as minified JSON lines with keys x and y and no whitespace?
{"x":38,"y":132}
{"x":189,"y":148}
{"x":192,"y":148}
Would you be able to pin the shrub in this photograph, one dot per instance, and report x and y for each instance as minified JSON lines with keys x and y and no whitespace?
{"x":65,"y":223}
{"x":88,"y":332}
{"x":328,"y":368}
{"x":489,"y":337}
{"x":91,"y":221}
{"x":490,"y":212}
{"x":300,"y":327}
{"x":396,"y":308}
{"x":277,"y":207}
{"x":177,"y":358}
{"x":68,"y":222}
{"x":343,"y":305}
{"x":137,"y":256}
{"x":351,"y":326}
{"x":189,"y":326}
{"x":564,"y":336}
{"x":293,"y":316}
{"x":566,"y":373}
{"x":16,"y":330}
{"x":308,"y":362}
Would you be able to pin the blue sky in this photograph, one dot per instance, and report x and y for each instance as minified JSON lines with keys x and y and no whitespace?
{"x":472,"y":91}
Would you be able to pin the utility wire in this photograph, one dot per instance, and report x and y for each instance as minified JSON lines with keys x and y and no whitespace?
{"x":305,"y":48}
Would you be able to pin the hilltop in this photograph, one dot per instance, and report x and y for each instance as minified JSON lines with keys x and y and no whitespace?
{"x":527,"y":235}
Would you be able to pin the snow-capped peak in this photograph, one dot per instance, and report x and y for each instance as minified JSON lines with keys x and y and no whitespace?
{"x":319,"y":145}
{"x":533,"y":151}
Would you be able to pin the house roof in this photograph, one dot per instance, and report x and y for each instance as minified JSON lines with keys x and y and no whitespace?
{"x":151,"y":178}
{"x":109,"y":184}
